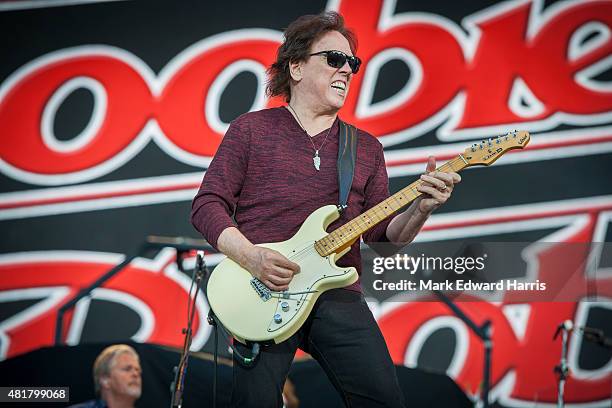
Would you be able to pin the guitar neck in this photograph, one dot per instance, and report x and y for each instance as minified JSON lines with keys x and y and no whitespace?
{"x":345,"y":235}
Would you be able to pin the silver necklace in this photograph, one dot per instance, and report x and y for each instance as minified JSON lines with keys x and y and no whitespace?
{"x":316,"y":160}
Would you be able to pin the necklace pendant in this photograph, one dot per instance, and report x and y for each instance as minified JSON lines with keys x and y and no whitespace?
{"x":316,"y":160}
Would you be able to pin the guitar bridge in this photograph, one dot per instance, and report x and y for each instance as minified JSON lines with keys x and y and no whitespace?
{"x":261,"y":289}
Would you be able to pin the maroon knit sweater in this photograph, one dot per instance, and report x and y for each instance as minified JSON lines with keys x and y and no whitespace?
{"x":263,"y":174}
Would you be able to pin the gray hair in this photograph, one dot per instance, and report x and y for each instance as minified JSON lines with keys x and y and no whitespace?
{"x":105,"y":360}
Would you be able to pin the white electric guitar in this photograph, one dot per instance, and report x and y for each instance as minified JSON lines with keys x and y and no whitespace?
{"x":253,"y":312}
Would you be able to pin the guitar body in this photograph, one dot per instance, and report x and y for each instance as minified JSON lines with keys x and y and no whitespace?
{"x":251,"y":311}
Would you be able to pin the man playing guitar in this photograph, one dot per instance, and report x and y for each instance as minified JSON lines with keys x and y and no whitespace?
{"x":276,"y":166}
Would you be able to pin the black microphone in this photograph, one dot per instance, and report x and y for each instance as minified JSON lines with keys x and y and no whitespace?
{"x":566,"y":325}
{"x":200,"y":260}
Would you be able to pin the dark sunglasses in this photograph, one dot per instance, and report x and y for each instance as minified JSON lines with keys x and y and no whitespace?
{"x":337,"y":59}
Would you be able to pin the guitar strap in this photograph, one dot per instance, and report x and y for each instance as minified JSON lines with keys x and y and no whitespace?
{"x":347,"y":154}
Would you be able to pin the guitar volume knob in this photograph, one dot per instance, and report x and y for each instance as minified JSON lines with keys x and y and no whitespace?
{"x":278,"y":319}
{"x":285,"y":306}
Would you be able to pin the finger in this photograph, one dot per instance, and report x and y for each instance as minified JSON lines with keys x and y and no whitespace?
{"x":281,"y":272}
{"x":427,"y":184}
{"x":278,"y":280}
{"x":435,"y":182}
{"x":456,"y":178}
{"x":431,"y":164}
{"x":279,"y":260}
{"x":277,"y":288}
{"x":283,"y":262}
{"x":433,"y":192}
{"x":421,"y":187}
{"x":447,"y":178}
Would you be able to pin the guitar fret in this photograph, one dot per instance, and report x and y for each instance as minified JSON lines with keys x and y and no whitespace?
{"x":353,"y":229}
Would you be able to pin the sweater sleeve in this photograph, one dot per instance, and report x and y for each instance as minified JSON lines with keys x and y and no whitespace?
{"x":377,"y":190}
{"x":214,"y":204}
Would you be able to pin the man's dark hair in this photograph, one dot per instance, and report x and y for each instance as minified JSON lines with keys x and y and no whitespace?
{"x":298,"y":38}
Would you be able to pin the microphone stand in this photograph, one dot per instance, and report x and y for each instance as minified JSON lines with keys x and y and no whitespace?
{"x":201,"y":274}
{"x":484,"y":333}
{"x":562,"y":369}
{"x":178,"y":385}
{"x":212,"y":319}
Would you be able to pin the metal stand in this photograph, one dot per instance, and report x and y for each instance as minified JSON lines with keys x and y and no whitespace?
{"x":213,"y":322}
{"x":217,"y":325}
{"x":484,"y":333}
{"x":153,"y":242}
{"x":182,"y":246}
{"x":178,"y":385}
{"x":562,"y":369}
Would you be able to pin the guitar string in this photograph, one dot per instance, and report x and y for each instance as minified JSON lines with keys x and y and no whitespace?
{"x":307,"y":251}
{"x":409,"y":189}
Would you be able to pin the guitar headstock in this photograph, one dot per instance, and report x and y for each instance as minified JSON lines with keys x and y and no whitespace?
{"x":487,"y":151}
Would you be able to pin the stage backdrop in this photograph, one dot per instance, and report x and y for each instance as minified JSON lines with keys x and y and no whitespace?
{"x":110,"y":113}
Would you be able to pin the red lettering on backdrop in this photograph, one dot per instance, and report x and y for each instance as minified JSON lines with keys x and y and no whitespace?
{"x":532,"y":357}
{"x":74,"y":274}
{"x":564,"y":266}
{"x":503,"y":53}
{"x":561,"y":265}
{"x":128,"y":109}
{"x":430,"y":43}
{"x":401,"y":324}
{"x":560,"y":90}
{"x":180,"y":112}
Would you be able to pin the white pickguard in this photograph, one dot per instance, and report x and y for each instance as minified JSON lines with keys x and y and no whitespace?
{"x":248,"y":316}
